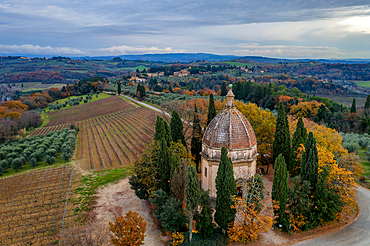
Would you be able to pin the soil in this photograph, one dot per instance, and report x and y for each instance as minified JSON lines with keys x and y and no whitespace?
{"x":116,"y":200}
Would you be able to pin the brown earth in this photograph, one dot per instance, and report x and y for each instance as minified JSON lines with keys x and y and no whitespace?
{"x":117,"y":199}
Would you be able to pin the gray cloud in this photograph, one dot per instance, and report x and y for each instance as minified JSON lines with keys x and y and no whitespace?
{"x":97,"y":27}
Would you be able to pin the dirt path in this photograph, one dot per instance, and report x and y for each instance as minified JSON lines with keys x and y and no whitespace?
{"x":117,"y":199}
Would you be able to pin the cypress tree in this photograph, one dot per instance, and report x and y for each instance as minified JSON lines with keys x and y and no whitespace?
{"x":159,"y":128}
{"x":299,"y":137}
{"x":119,"y":88}
{"x":223,"y":89}
{"x":326,"y":202}
{"x":280,"y":187}
{"x":177,"y":128}
{"x":204,"y":222}
{"x":168,"y":135}
{"x":225,"y":189}
{"x":164,"y":167}
{"x":196,"y":139}
{"x":211,"y":109}
{"x":353,"y":107}
{"x":282,"y":138}
{"x":310,"y":162}
{"x":367,"y":106}
{"x":162,"y":130}
{"x":192,"y":194}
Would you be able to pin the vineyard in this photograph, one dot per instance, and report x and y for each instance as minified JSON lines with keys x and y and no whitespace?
{"x":114,"y":140}
{"x":33,"y":206}
{"x":87,"y":111}
{"x":112,"y":132}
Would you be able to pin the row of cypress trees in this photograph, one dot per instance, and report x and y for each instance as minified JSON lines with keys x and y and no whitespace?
{"x":308,"y":186}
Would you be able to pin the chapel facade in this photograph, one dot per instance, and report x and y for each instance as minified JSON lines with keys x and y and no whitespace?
{"x":232,"y":130}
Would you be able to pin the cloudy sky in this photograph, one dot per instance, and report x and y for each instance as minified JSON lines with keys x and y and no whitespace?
{"x":274,"y":28}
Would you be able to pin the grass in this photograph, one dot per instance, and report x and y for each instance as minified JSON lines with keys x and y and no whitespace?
{"x":90,"y":185}
{"x":27,"y":167}
{"x":362,"y":83}
{"x":365,"y":163}
{"x":239,"y":64}
{"x":39,"y":86}
{"x":140,"y":67}
{"x":61,"y":101}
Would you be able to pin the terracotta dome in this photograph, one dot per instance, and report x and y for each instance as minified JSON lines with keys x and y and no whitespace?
{"x":230,"y":129}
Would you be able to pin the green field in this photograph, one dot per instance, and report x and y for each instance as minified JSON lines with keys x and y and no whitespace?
{"x":346,"y":100}
{"x":239,"y":64}
{"x":94,"y":98}
{"x":31,"y":86}
{"x":140,"y":67}
{"x":362,"y":83}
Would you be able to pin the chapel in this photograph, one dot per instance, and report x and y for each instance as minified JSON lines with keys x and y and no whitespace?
{"x":232,"y":130}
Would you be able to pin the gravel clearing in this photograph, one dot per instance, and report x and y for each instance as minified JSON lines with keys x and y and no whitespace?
{"x":117,"y":199}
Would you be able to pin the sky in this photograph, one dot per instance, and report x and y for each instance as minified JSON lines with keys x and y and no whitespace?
{"x":272,"y":28}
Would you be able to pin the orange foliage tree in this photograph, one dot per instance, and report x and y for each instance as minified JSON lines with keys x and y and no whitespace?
{"x":249,"y":223}
{"x":128,"y":230}
{"x":306,"y":109}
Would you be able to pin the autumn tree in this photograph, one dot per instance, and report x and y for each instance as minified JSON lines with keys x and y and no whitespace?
{"x":282,"y":138}
{"x":145,"y":172}
{"x":306,"y":109}
{"x":310,"y":162}
{"x":280,"y":188}
{"x":196,"y":139}
{"x":249,"y":222}
{"x":128,"y":230}
{"x":192,"y":194}
{"x":211,"y":109}
{"x":225,"y":189}
{"x":353,"y":107}
{"x":299,"y":138}
{"x":204,"y":221}
{"x":177,"y":128}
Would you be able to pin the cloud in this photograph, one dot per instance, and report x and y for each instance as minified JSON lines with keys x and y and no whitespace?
{"x":28,"y":49}
{"x":288,"y":51}
{"x":114,"y":27}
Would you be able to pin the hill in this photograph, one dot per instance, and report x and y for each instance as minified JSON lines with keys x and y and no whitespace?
{"x":171,"y":57}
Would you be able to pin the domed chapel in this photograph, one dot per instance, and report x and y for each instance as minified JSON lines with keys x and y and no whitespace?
{"x":232,"y":130}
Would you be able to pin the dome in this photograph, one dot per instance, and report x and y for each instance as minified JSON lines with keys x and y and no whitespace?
{"x":230,"y":129}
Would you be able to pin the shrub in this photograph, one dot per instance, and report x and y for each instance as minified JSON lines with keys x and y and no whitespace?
{"x":351,"y":146}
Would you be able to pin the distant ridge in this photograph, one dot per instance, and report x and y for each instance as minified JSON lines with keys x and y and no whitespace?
{"x":282,"y":60}
{"x":171,"y":57}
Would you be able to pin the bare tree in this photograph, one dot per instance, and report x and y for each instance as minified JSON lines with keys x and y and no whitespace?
{"x":90,"y":234}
